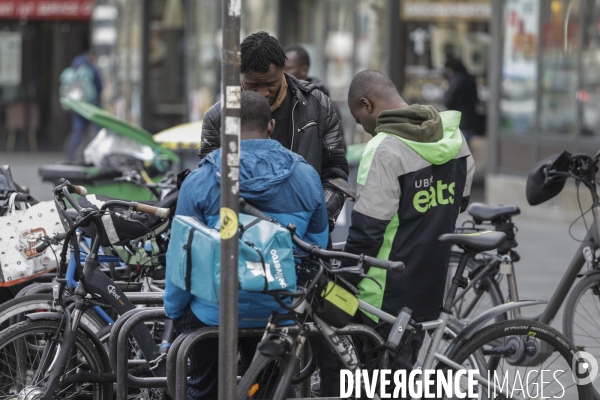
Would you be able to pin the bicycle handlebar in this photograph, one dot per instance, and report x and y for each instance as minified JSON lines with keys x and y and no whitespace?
{"x":145,"y":208}
{"x":80,"y":190}
{"x":23,"y":198}
{"x":314,"y":250}
{"x":20,"y":197}
{"x":56,"y":239}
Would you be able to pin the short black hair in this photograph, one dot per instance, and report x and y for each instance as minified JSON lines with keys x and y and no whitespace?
{"x":367,"y":83}
{"x":301,"y":53}
{"x":259,"y":50}
{"x":256,"y":111}
{"x":455,"y":64}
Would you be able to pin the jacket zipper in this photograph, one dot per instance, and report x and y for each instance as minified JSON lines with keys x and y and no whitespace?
{"x":293,"y":126}
{"x":308,"y":125}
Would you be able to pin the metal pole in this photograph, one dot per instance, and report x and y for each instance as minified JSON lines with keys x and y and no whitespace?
{"x":230,"y":161}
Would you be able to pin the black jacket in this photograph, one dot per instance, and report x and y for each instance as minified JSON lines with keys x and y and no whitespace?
{"x":462,"y":96}
{"x":315,"y":135}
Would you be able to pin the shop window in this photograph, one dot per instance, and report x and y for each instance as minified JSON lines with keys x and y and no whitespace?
{"x":588,"y":95}
{"x":519,"y":69}
{"x":560,"y":50}
{"x":203,"y":46}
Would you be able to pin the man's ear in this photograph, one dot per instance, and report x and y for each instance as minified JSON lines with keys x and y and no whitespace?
{"x":270,"y":127}
{"x":364,"y":102}
{"x":304,"y":70}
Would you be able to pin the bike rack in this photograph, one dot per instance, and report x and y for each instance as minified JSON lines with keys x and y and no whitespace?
{"x":177,"y":358}
{"x":128,"y":288}
{"x":119,"y":350}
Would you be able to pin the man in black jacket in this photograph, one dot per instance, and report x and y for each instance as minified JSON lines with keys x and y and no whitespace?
{"x":306,"y":122}
{"x":298,"y":64}
{"x":461,"y":95}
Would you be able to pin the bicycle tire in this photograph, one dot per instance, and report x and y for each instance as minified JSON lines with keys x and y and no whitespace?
{"x":15,"y":337}
{"x":255,"y":374}
{"x":501,"y":334}
{"x":489,"y":286}
{"x":570,"y":327}
{"x":12,"y":311}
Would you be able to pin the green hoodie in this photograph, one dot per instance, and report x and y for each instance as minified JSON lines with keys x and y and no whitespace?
{"x":434,"y":136}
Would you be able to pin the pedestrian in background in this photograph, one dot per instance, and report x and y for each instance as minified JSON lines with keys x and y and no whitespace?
{"x":80,"y":81}
{"x":461,"y":95}
{"x":298,"y":65}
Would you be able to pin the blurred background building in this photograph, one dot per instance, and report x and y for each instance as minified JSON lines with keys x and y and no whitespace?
{"x":160,"y":59}
{"x":536,"y":62}
{"x":38,"y":39}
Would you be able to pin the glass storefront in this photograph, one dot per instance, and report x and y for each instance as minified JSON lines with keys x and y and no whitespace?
{"x":436,"y":31}
{"x":588,"y":95}
{"x":550,"y":80}
{"x":33,"y":54}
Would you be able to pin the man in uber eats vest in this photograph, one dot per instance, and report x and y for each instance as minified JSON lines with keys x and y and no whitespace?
{"x":413,"y":180}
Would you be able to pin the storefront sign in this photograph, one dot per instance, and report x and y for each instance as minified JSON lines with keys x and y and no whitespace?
{"x":10,"y":58}
{"x":429,"y":10}
{"x":64,"y":10}
{"x":521,"y":38}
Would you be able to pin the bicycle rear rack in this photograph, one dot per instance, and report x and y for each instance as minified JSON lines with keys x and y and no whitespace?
{"x":177,"y":358}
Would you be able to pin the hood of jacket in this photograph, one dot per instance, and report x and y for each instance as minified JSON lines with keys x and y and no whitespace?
{"x":264,"y":164}
{"x":433,"y":135}
{"x":79,"y":61}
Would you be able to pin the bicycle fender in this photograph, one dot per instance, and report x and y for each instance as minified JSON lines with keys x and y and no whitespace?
{"x":588,"y":273}
{"x":44,"y":315}
{"x":91,"y":335}
{"x":476,"y":324}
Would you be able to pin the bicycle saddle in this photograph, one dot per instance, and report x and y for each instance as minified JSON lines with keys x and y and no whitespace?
{"x":489,"y":212}
{"x":479,"y":241}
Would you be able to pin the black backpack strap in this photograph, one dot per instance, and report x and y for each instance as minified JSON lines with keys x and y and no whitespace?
{"x":250,"y":225}
{"x":188,"y":269}
{"x":262,"y":260}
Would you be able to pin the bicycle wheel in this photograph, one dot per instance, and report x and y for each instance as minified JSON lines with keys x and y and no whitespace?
{"x":527,"y":359}
{"x":21,"y":349}
{"x":261,"y":378}
{"x":581,"y":319}
{"x":13,"y":311}
{"x":453,"y":328}
{"x":483,"y":295}
{"x":475,"y":361}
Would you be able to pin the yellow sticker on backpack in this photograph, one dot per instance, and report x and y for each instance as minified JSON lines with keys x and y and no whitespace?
{"x":229,"y":223}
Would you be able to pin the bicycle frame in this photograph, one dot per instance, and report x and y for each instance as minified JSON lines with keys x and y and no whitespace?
{"x":94,"y":281}
{"x":350,"y":361}
{"x":592,"y":240}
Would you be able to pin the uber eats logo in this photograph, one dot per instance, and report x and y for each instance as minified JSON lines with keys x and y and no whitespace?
{"x":433,"y":194}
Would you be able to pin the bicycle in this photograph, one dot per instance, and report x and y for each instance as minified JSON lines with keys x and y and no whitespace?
{"x":582,"y":305}
{"x":48,"y":347}
{"x":505,"y":347}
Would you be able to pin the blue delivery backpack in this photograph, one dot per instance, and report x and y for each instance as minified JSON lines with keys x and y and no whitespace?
{"x":265,"y":262}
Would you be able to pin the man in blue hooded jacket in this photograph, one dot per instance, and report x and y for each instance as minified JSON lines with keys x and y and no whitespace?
{"x":274,"y":180}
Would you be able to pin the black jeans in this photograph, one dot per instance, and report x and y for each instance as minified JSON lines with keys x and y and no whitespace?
{"x":409,"y":353}
{"x":204,"y":359}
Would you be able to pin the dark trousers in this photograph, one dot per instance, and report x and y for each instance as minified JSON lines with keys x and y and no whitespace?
{"x":330,"y":365}
{"x":204,"y":359}
{"x":79,"y":127}
{"x":409,"y":354}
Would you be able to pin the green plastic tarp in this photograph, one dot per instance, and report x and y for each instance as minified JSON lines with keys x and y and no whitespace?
{"x":106,"y":120}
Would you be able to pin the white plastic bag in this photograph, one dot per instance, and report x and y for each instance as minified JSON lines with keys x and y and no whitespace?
{"x":110,"y":143}
{"x":20,"y":233}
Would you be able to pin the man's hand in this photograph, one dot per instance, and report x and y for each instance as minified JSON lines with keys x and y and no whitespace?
{"x":335,"y":203}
